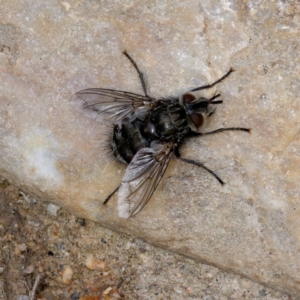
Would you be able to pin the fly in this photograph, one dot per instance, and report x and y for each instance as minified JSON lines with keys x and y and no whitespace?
{"x":147,"y":132}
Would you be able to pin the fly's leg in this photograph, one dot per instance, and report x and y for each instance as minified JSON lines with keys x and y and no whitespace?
{"x":198,"y":164}
{"x":194,"y":134}
{"x":141,"y":74}
{"x":110,"y":195}
{"x":226,"y":129}
{"x":211,"y":85}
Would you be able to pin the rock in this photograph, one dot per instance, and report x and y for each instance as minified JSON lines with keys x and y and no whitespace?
{"x":250,"y":226}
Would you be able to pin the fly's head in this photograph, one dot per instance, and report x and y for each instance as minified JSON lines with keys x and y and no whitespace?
{"x":198,"y":109}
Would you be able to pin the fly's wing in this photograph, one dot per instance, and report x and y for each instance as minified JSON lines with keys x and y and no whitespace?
{"x":110,"y":106}
{"x":141,"y":178}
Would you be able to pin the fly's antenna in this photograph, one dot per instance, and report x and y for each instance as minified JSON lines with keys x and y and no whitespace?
{"x":211,"y":100}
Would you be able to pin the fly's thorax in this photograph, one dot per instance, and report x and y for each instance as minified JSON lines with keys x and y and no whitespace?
{"x":167,"y":122}
{"x":197,"y":109}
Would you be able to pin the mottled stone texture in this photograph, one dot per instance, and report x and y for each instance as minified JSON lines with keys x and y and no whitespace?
{"x":49,"y":50}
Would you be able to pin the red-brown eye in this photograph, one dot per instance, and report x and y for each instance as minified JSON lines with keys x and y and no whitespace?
{"x":197,"y":119}
{"x":188,"y":98}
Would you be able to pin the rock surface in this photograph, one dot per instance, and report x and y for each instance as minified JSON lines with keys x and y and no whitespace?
{"x":50,"y":50}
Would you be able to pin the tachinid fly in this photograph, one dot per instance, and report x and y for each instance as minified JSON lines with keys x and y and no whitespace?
{"x":146,"y":133}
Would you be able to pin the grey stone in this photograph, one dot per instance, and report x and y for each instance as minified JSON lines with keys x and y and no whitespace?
{"x":250,"y":226}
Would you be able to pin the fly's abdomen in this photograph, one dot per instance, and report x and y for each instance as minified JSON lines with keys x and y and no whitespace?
{"x":128,"y":139}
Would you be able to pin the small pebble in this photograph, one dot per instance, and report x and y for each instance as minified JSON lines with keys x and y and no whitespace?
{"x":22,"y":297}
{"x":53,"y":209}
{"x":93,"y":263}
{"x":41,"y":268}
{"x":29,"y":269}
{"x":66,"y":5}
{"x":67,"y":275}
{"x":20,"y":248}
{"x":107,"y":291}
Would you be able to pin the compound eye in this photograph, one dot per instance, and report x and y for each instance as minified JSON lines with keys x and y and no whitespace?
{"x":197,"y":119}
{"x":188,"y":98}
